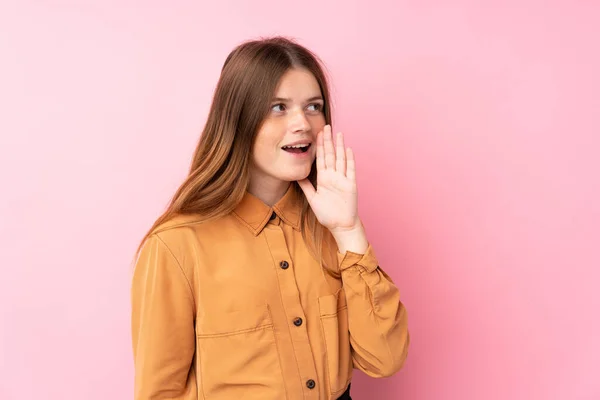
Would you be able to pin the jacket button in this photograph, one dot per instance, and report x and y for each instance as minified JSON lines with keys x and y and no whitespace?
{"x":273,"y":216}
{"x":284,"y":265}
{"x":298,"y":321}
{"x":310,"y":384}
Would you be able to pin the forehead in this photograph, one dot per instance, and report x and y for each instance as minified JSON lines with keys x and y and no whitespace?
{"x":298,"y":82}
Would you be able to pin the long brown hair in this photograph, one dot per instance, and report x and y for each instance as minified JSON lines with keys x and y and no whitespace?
{"x":219,"y":173}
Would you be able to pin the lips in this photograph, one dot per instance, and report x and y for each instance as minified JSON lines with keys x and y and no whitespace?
{"x":298,"y":148}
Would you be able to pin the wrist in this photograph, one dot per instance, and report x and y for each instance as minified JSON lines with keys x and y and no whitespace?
{"x":352,"y":239}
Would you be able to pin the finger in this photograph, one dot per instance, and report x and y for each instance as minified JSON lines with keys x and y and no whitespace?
{"x":308,"y":189}
{"x":340,"y":154}
{"x":350,"y":165}
{"x":320,"y":152}
{"x":329,"y":152}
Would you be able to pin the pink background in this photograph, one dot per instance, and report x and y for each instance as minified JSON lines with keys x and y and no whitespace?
{"x":476,"y":128}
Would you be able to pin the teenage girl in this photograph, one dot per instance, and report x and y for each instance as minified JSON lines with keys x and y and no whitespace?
{"x":258,"y":281}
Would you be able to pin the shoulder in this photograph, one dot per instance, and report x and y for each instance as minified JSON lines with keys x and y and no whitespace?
{"x":173,"y":236}
{"x":178,"y":223}
{"x":185,"y":234}
{"x":171,"y":246}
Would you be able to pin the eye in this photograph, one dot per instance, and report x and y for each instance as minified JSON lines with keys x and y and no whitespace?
{"x":315,"y":107}
{"x":279,"y":107}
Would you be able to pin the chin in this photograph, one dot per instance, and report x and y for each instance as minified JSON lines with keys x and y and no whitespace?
{"x":298,"y":176}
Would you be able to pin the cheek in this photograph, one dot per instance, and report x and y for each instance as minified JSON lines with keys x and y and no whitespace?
{"x":317,"y":123}
{"x":261,"y":152}
{"x":266,"y":144}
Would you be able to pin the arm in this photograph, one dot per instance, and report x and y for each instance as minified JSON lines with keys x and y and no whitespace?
{"x":377,"y":318}
{"x":162,"y":323}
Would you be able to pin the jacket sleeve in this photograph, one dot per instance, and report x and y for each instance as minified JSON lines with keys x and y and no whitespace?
{"x":377,"y":318}
{"x":162,"y":322}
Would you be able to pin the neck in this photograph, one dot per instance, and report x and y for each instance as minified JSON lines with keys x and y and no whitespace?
{"x":268,"y":192}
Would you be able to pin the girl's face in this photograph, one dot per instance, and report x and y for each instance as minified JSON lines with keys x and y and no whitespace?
{"x":285,"y":146}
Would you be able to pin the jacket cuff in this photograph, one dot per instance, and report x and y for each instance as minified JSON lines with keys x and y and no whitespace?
{"x":364,"y":262}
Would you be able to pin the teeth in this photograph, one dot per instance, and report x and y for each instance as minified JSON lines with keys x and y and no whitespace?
{"x":298,"y":146}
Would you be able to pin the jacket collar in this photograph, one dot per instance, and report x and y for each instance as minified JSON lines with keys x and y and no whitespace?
{"x":255,"y":214}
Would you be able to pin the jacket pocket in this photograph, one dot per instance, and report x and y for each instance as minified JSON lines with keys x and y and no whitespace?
{"x":238,"y":356}
{"x":334,"y":324}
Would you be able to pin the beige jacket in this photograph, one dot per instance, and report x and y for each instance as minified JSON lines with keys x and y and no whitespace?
{"x":236,"y":308}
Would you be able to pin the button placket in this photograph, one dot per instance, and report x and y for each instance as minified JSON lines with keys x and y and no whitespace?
{"x":292,"y":310}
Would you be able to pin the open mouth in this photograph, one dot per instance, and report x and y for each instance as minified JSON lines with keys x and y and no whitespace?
{"x":300,"y":148}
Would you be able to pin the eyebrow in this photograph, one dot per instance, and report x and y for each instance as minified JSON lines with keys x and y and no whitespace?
{"x":286,"y":100}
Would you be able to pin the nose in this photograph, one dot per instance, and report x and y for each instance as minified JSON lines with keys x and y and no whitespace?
{"x":298,"y":122}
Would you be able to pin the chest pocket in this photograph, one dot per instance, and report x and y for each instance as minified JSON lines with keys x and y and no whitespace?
{"x":237,"y":355}
{"x":333,"y":311}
